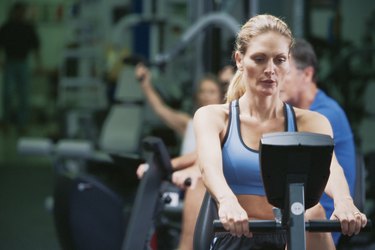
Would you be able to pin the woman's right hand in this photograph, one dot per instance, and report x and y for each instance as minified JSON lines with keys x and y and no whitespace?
{"x":233,"y":217}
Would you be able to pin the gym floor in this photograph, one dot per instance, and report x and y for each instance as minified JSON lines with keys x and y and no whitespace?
{"x":25,"y":222}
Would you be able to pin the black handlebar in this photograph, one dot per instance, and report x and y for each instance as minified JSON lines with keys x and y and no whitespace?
{"x":311,"y":226}
{"x":330,"y":226}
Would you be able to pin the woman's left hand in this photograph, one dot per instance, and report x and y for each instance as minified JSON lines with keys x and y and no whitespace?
{"x":352,"y":220}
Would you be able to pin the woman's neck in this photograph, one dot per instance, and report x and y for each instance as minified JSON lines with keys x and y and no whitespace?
{"x":260,"y":108}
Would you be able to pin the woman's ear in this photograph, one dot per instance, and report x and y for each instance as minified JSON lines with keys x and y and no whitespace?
{"x":238,"y":58}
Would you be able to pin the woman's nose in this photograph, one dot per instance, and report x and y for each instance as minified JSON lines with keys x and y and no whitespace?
{"x":270,"y":69}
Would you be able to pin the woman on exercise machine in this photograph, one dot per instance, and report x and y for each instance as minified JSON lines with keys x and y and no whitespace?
{"x":228,"y":138}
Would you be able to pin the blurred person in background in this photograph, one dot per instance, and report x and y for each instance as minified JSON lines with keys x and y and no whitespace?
{"x":210,"y":90}
{"x":226,"y":74}
{"x":300,"y":89}
{"x":18,"y":39}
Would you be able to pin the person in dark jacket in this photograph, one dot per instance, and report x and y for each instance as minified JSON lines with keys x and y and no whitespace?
{"x":18,"y":39}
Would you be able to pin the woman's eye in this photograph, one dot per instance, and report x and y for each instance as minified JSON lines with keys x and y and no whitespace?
{"x":258,"y":59}
{"x":280,"y":60}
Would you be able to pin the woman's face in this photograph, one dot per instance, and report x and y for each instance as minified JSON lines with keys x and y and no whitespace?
{"x":208,"y":93}
{"x":265,"y":63}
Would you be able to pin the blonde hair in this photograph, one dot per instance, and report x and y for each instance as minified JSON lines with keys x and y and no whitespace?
{"x":256,"y":25}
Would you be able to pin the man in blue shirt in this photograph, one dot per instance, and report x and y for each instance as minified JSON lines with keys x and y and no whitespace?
{"x":300,"y":90}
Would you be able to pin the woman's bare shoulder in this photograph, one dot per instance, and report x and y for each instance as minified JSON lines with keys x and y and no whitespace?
{"x":312,"y":121}
{"x":213,"y":109}
{"x":212,"y":116}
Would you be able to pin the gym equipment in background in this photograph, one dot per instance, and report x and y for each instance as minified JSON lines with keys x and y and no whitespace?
{"x":90,"y":214}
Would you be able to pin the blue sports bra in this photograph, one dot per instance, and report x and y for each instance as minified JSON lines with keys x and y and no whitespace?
{"x":241,"y":163}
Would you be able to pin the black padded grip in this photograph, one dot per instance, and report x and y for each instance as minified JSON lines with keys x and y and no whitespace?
{"x":330,"y":226}
{"x":311,"y":226}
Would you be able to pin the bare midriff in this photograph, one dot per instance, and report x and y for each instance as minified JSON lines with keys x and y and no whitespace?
{"x":257,"y":207}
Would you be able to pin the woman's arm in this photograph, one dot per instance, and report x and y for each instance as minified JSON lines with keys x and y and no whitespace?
{"x":337,"y":187}
{"x":174,"y":119}
{"x":209,"y":123}
{"x":352,"y":220}
{"x":207,"y":131}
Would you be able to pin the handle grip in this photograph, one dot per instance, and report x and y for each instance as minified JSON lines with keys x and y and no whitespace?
{"x":187,"y":182}
{"x":311,"y":226}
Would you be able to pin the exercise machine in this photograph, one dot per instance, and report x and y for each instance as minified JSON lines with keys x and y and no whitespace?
{"x":90,"y":209}
{"x":295,"y":167}
{"x":151,"y":200}
{"x":147,"y":197}
{"x":91,"y":214}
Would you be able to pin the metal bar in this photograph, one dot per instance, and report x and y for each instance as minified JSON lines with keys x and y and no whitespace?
{"x":296,"y":234}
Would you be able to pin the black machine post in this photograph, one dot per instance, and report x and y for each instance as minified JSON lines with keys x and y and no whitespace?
{"x":296,"y":236}
{"x":294,"y":164}
{"x":148,"y":194}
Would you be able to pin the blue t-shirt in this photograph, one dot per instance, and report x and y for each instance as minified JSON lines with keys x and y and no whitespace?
{"x":344,"y":144}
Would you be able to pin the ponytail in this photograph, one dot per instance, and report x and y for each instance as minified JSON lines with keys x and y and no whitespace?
{"x":236,"y":87}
